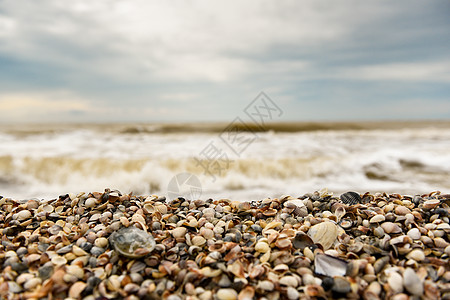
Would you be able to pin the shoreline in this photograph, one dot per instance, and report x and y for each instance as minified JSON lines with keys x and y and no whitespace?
{"x":119,"y":246}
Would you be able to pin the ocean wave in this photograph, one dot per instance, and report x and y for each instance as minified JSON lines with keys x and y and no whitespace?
{"x":60,"y":161}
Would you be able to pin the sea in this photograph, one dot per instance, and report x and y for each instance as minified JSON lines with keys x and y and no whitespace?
{"x":216,"y":160}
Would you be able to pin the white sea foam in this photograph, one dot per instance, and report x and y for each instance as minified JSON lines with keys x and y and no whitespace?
{"x":49,"y":163}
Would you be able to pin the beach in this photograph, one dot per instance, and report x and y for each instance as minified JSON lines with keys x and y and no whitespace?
{"x":109,"y":245}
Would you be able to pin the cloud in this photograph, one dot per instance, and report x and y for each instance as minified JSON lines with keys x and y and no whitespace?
{"x":142,"y":57}
{"x":26,"y":107}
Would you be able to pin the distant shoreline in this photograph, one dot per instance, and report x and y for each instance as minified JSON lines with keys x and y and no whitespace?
{"x":217,"y":127}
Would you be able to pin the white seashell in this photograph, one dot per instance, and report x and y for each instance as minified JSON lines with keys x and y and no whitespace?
{"x":179,"y":232}
{"x":395,"y":281}
{"x":23,"y":215}
{"x":414,"y":233}
{"x":324,"y":233}
{"x":416,"y":254}
{"x":198,"y":240}
{"x":329,"y":266}
{"x":226,"y":294}
{"x":412,"y":282}
{"x":390,"y":227}
{"x":289,"y":281}
{"x":377,"y":219}
{"x":90,"y":202}
{"x":430,"y":204}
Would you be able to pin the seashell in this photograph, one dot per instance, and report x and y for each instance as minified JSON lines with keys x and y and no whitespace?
{"x":198,"y":240}
{"x":414,"y":233}
{"x":270,"y":212}
{"x":271,"y":225}
{"x":329,"y":266}
{"x":23,"y":215}
{"x":179,"y":232}
{"x":324,"y":233}
{"x":247,"y":293}
{"x":440,"y":242}
{"x":265,"y":285}
{"x":351,"y":198}
{"x":395,"y":282}
{"x":90,"y":202}
{"x":265,"y":257}
{"x":283,"y":243}
{"x":132,"y":242}
{"x":430,"y":204}
{"x":237,"y":269}
{"x":444,"y":226}
{"x":207,"y":233}
{"x":302,"y":241}
{"x":339,"y":212}
{"x":161,"y":208}
{"x":289,"y":281}
{"x":75,"y":270}
{"x":101,"y":242}
{"x":341,"y":285}
{"x":390,"y":227}
{"x":58,"y":260}
{"x":226,"y":294}
{"x":416,"y":254}
{"x":402,"y":210}
{"x":314,"y":291}
{"x":209,"y":272}
{"x":377,"y":219}
{"x":32,"y":283}
{"x":413,"y":284}
{"x":346,"y":223}
{"x":262,"y":247}
{"x":292,"y":293}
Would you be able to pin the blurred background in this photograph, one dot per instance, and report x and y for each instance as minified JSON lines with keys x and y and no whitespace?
{"x":128,"y":94}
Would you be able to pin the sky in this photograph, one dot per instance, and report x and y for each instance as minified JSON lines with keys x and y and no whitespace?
{"x":170,"y":61}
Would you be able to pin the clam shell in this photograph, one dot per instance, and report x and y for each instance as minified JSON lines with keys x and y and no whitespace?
{"x":329,"y":266}
{"x":324,"y":233}
{"x":132,"y":242}
{"x":351,"y":198}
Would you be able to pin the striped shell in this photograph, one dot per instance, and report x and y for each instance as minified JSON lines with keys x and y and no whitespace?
{"x":351,"y":198}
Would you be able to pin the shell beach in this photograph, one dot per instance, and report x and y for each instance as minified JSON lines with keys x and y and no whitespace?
{"x":317,"y":246}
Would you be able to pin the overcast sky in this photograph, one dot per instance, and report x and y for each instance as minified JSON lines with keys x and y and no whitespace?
{"x":112,"y":60}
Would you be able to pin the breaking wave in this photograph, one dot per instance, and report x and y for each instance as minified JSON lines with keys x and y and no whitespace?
{"x":48,"y":163}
